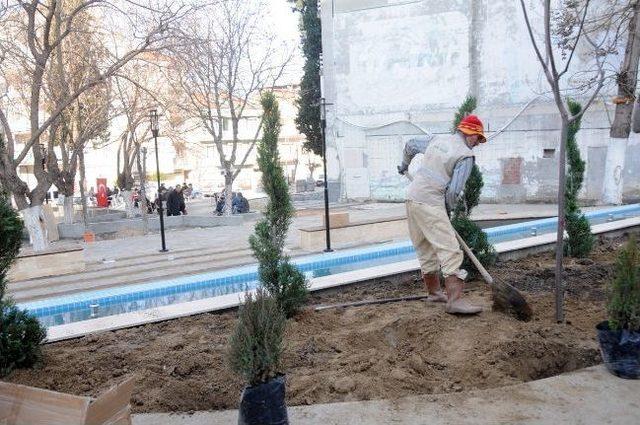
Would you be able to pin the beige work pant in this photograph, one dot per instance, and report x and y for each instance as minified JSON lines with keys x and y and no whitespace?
{"x":434,"y":239}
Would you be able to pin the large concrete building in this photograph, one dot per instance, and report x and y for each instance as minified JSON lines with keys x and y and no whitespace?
{"x":395,"y":69}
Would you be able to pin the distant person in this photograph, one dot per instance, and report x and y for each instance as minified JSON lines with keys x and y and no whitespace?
{"x":158,"y":201}
{"x":220,"y":202}
{"x":91,"y":196}
{"x":175,"y":202}
{"x":186,"y":192}
{"x":242,"y":204}
{"x":110,"y":197}
{"x":234,"y":203}
{"x":150,"y":206}
{"x":191,"y":193}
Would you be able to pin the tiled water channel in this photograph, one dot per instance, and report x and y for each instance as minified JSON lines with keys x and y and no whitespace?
{"x":112,"y":301}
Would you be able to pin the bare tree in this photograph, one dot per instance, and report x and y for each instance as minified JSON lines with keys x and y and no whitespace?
{"x":570,"y":20}
{"x":626,"y":79}
{"x":225,"y":63}
{"x":33,"y":33}
{"x":134,"y":105}
{"x":138,"y":89}
{"x":74,"y":62}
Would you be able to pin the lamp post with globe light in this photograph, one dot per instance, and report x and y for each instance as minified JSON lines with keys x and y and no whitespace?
{"x":155,"y":130}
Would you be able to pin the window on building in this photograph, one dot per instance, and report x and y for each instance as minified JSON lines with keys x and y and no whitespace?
{"x":548,"y":153}
{"x":226,"y":124}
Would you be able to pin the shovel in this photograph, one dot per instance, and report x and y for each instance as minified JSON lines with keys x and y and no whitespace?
{"x":506,"y":298}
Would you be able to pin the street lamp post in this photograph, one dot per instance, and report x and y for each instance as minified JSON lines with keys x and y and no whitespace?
{"x":323,"y":126}
{"x":155,"y":130}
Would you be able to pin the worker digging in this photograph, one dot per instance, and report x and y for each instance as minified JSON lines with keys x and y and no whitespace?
{"x":431,"y":196}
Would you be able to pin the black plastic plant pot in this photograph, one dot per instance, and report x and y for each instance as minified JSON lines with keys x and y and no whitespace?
{"x":620,"y":351}
{"x":264,"y":404}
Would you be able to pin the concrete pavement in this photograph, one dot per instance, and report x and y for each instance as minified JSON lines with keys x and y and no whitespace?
{"x":586,"y":397}
{"x":236,"y":237}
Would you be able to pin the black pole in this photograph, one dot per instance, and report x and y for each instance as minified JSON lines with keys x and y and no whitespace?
{"x":327,"y":224}
{"x":160,"y":209}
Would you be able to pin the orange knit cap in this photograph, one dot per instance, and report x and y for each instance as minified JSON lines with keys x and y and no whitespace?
{"x":471,"y":125}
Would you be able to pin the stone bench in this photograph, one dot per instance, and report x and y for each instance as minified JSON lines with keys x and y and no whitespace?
{"x":56,"y":261}
{"x":366,"y":231}
{"x":336,"y":219}
{"x":20,"y":405}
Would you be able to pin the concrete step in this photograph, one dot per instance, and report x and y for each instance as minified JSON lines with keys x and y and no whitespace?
{"x":163,"y":257}
{"x":105,"y":282}
{"x":28,"y":291}
{"x":131,"y":264}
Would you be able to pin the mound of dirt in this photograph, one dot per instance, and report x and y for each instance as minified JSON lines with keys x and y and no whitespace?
{"x":359,"y":353}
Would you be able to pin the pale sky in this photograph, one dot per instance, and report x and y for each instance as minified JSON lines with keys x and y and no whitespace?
{"x":285,"y":24}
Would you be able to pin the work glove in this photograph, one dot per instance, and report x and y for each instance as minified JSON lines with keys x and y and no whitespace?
{"x":402,"y":169}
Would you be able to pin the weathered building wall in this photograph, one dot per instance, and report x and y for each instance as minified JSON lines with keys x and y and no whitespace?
{"x":394,"y":69}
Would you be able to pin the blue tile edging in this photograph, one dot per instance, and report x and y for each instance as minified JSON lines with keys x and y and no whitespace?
{"x":249,"y":274}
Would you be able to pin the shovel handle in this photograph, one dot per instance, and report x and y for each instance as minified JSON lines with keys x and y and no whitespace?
{"x":485,"y":274}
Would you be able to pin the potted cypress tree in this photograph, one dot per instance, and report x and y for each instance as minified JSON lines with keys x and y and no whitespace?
{"x":255,"y":353}
{"x":256,"y":345}
{"x":619,"y":336}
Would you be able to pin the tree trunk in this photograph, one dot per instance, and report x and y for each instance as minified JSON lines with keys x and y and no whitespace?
{"x":35,"y":223}
{"x":228,"y":185}
{"x":128,"y":203}
{"x":142,"y":195}
{"x":83,"y":189}
{"x":68,"y":209}
{"x":613,"y":171}
{"x":636,"y":117}
{"x":621,"y":127}
{"x":562,"y":164}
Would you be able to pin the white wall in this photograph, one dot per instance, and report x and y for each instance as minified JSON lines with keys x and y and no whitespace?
{"x":402,"y":62}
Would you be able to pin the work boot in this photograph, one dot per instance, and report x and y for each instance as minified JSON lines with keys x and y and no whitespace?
{"x":456,"y":304}
{"x":432,"y":284}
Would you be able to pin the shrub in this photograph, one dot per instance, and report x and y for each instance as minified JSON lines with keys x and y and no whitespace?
{"x":473,"y":235}
{"x":579,"y":242}
{"x":20,"y":333}
{"x":277,"y":275}
{"x":20,"y":337}
{"x":624,"y":295}
{"x":11,"y":226}
{"x":256,"y":344}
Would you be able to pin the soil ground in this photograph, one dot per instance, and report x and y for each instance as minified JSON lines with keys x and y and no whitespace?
{"x":357,"y":353}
